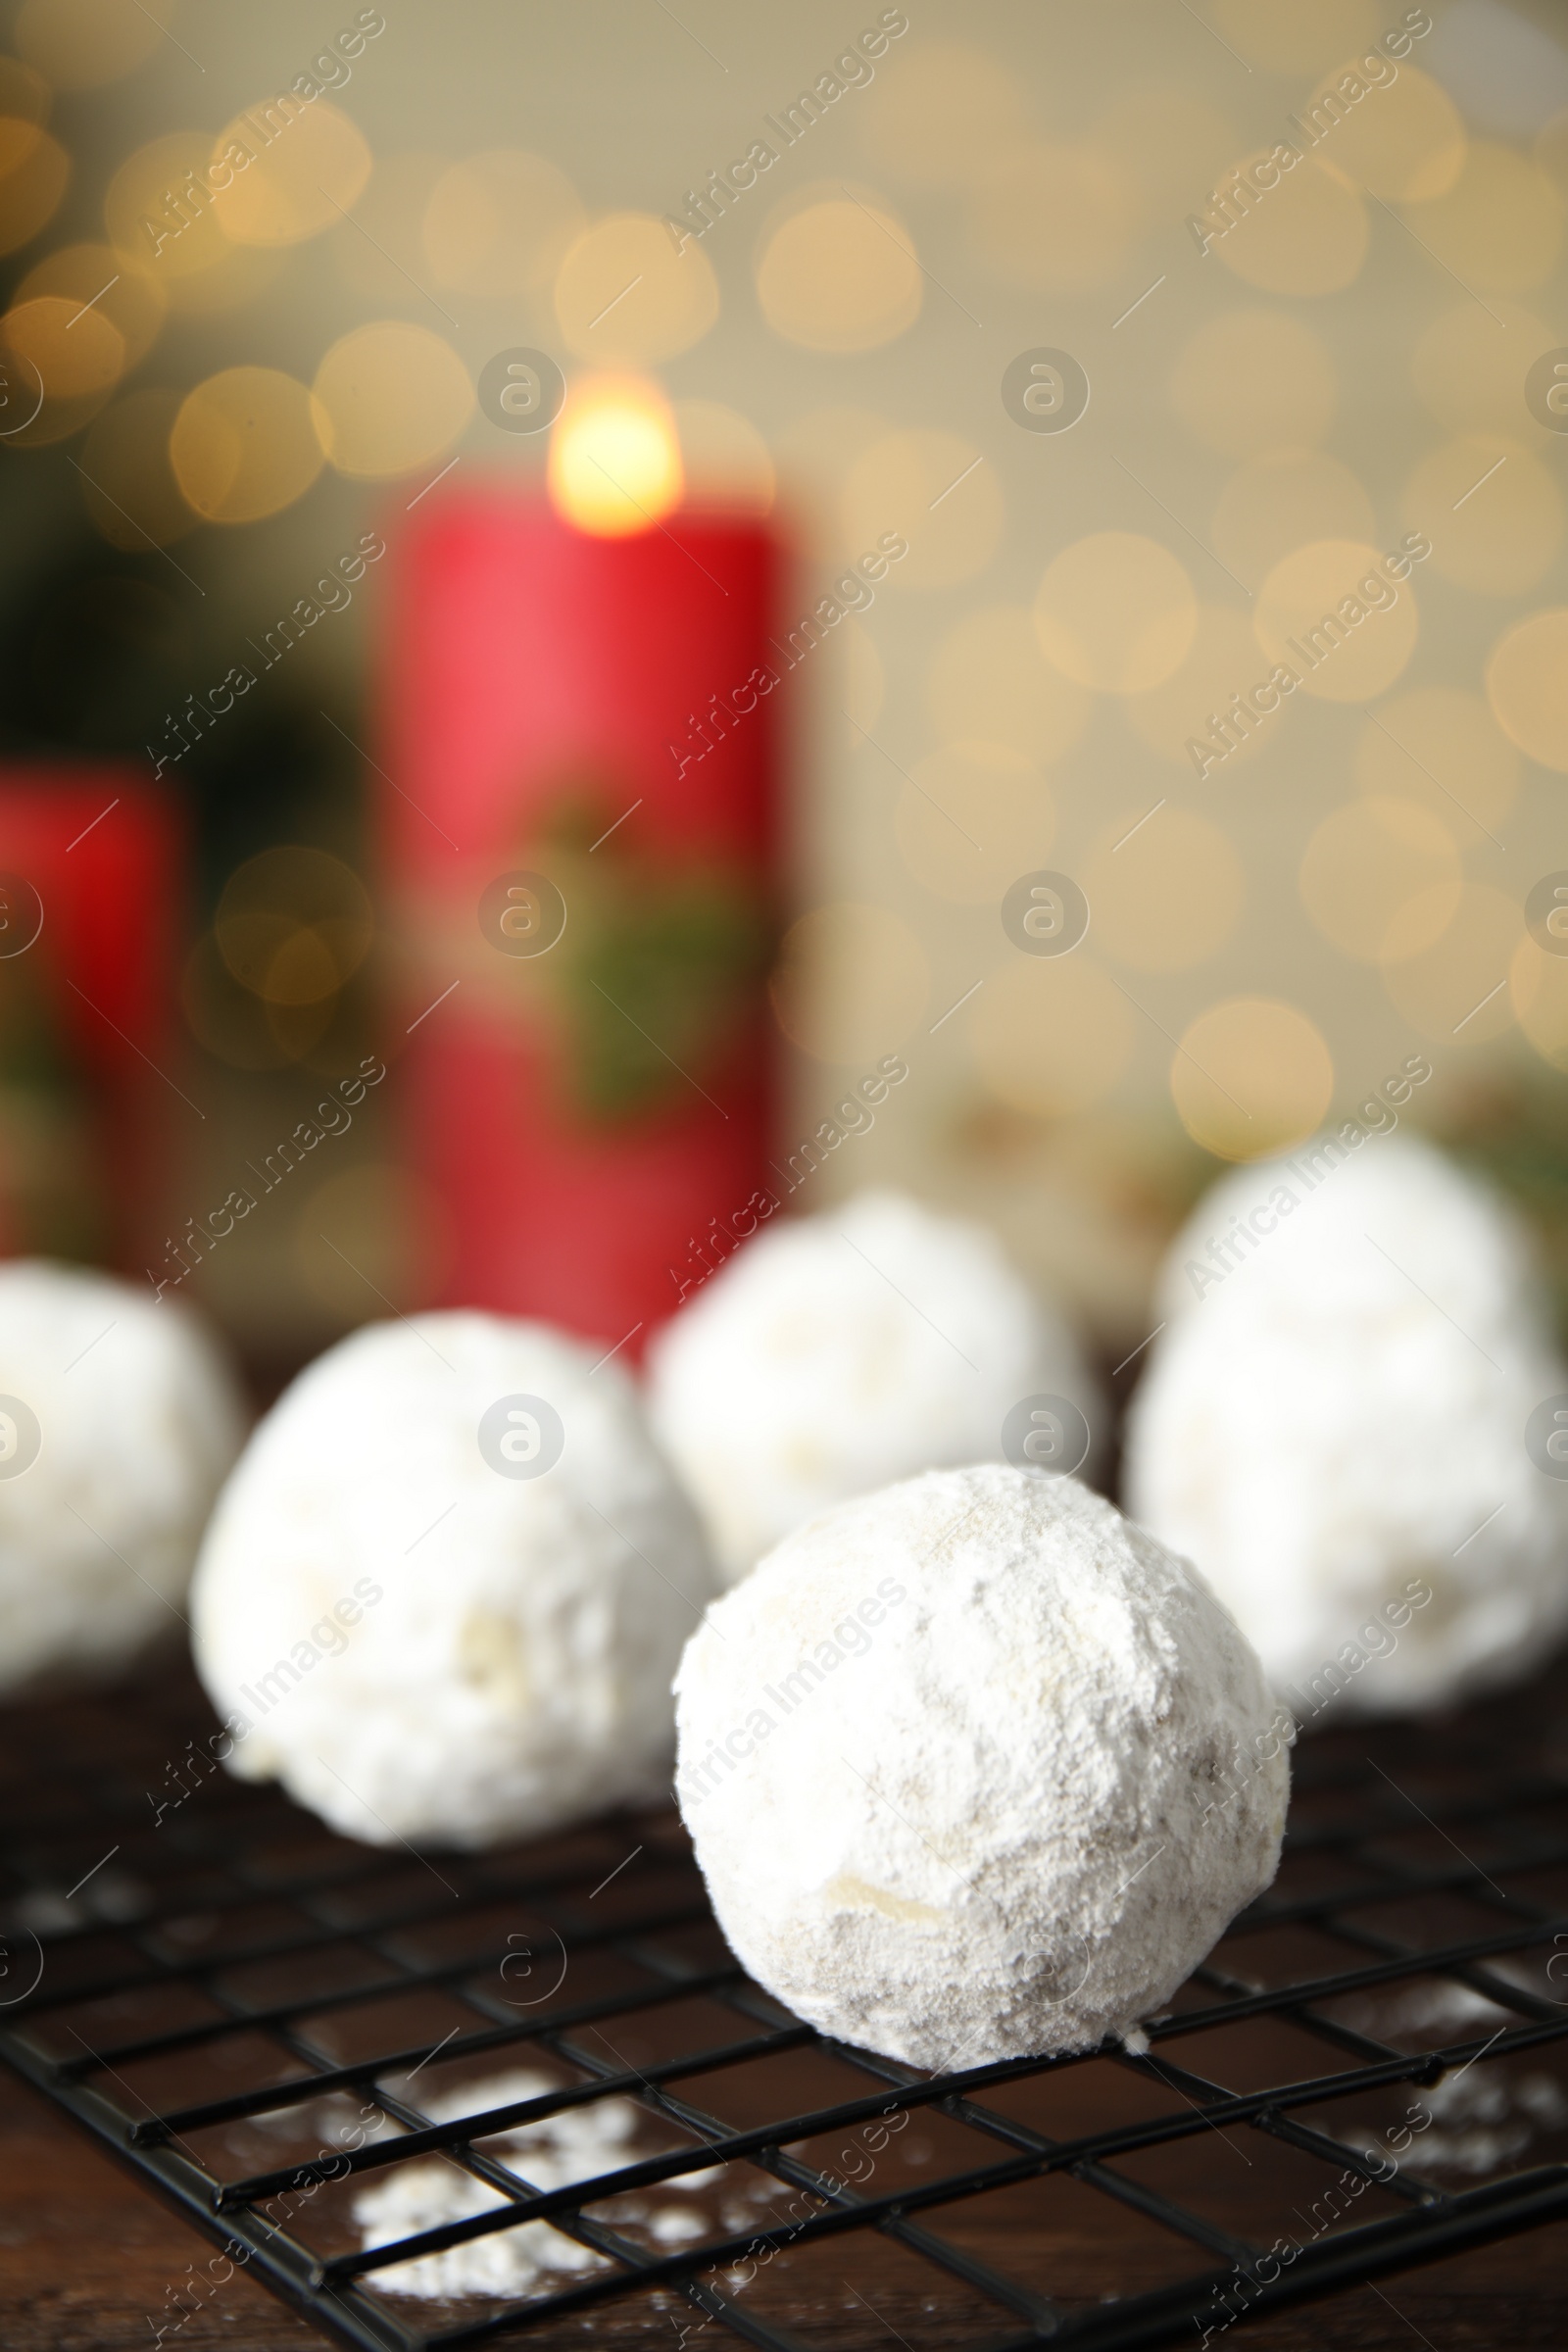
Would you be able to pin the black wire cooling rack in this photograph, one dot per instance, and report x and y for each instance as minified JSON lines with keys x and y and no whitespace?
{"x":285,"y":2035}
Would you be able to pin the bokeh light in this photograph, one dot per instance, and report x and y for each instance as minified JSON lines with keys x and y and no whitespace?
{"x":1051,"y":1035}
{"x":1381,"y":878}
{"x":1329,"y":612}
{"x":1550,"y":149}
{"x":614,"y":456}
{"x":62,"y":358}
{"x":724,"y":457}
{"x":1527,"y":686}
{"x":851,"y":982}
{"x":24,"y":94}
{"x":839,"y":276}
{"x":158,"y":214}
{"x":815,"y":451}
{"x":1220,"y":662}
{"x":626,"y":298}
{"x":1279,"y":501}
{"x":970,"y":820}
{"x":938,"y":493}
{"x":378,"y":249}
{"x":1468,"y":365}
{"x":239,"y":1028}
{"x":1164,"y":887}
{"x":1057,"y":220}
{"x":390,"y":396}
{"x":1442,"y":746}
{"x":76,"y":352}
{"x":246,"y":443}
{"x":1116,"y":613}
{"x":1404,"y":141}
{"x":154,"y":213}
{"x":34,"y":172}
{"x":82,"y":44}
{"x":293,"y":924}
{"x":940,"y":113}
{"x":1169,"y":142}
{"x":499,"y":224}
{"x":1251,"y":1076}
{"x":1499,"y":510}
{"x":1306,"y":234}
{"x":1455,"y":990}
{"x":1251,"y":380}
{"x":1499,"y":226}
{"x":295,"y":167}
{"x":130,"y":299}
{"x":989,"y":679}
{"x":1291,"y":39}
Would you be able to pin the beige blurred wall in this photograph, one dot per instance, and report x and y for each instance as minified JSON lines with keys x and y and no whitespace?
{"x":1346,"y":366}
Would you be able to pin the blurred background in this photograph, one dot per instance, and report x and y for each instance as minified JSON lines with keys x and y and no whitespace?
{"x":999,"y":295}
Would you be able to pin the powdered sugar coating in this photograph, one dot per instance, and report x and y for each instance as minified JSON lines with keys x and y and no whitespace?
{"x":1449,"y":1231}
{"x":138,"y":1417}
{"x":504,"y":1662}
{"x":1336,"y":1423}
{"x":837,"y":1353}
{"x":1039,"y":1776}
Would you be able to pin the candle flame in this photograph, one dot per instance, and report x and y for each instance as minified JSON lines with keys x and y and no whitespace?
{"x":615,"y":461}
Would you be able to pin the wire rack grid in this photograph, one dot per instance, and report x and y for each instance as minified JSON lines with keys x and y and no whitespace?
{"x":224,"y":1986}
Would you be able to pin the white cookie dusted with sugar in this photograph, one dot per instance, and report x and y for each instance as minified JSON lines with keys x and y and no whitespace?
{"x":975,"y":1769}
{"x":1335,"y":1426}
{"x":837,"y":1353}
{"x":119,"y":1417}
{"x":446,"y":1588}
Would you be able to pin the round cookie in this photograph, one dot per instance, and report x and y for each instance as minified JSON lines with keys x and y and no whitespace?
{"x":443,"y":1593}
{"x":975,"y":1769}
{"x":834,"y":1353}
{"x":119,"y":1417}
{"x":1335,"y":1426}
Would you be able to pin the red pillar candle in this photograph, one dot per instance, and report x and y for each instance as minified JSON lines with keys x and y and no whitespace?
{"x":598,"y":713}
{"x":91,"y":918}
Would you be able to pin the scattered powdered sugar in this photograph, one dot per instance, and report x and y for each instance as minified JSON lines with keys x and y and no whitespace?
{"x":560,"y":2150}
{"x":677,"y":2225}
{"x":1487,"y":2120}
{"x":1475,"y":2121}
{"x":1017,"y":1815}
{"x":1410,"y":2014}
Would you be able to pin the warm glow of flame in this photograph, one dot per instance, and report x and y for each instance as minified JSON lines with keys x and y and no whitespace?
{"x":615,"y":461}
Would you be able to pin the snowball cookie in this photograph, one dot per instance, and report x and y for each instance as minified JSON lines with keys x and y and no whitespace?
{"x":975,"y":1769}
{"x":1333,"y":1426}
{"x":837,"y":1353}
{"x":445,"y":1590}
{"x":119,"y":1417}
